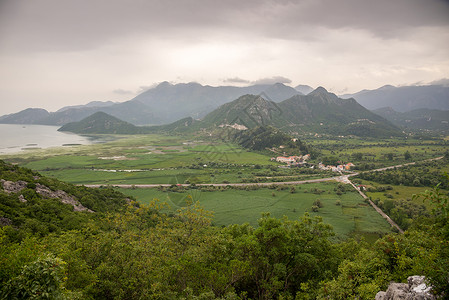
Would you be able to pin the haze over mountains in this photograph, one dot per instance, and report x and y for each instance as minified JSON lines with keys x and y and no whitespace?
{"x":404,"y":98}
{"x":422,"y":119}
{"x":318,"y":112}
{"x":163,"y":104}
{"x":167,"y":103}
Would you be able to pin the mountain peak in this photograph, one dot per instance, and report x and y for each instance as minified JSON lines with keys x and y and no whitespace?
{"x":321,"y":93}
{"x":386,"y":87}
{"x":102,"y":123}
{"x":164,"y":84}
{"x":305,"y":89}
{"x":319,"y":90}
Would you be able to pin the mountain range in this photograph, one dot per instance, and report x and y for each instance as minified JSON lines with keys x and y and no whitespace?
{"x":404,"y":98}
{"x":419,"y":119}
{"x":318,"y":112}
{"x":162,"y":104}
{"x":167,"y":103}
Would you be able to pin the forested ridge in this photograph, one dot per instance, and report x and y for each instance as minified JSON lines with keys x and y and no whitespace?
{"x":124,"y":250}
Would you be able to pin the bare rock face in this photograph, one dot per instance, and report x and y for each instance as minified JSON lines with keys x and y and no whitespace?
{"x":397,"y":291}
{"x":13,"y":187}
{"x":62,"y":196}
{"x":22,"y":199}
{"x":415,"y":289}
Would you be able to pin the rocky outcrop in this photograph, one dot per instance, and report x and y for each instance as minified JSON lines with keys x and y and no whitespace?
{"x":16,"y":186}
{"x":415,"y":289}
{"x":13,"y":186}
{"x":62,"y":196}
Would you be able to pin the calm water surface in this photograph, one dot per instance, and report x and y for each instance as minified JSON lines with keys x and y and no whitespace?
{"x":15,"y":138}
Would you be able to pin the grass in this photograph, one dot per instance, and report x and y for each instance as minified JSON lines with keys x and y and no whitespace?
{"x":162,"y":159}
{"x":398,"y":192}
{"x":231,"y":206}
{"x":375,"y":151}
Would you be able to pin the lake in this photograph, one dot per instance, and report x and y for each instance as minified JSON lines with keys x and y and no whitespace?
{"x":15,"y":138}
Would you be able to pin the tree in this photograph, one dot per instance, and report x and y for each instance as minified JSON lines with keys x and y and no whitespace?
{"x":282,"y":254}
{"x":41,"y":279}
{"x":407,"y":155}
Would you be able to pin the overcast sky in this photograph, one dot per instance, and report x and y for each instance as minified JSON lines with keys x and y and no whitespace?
{"x":66,"y":52}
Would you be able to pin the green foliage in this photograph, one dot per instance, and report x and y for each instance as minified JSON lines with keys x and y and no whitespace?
{"x":438,"y":199}
{"x":149,"y":251}
{"x":427,"y":174}
{"x":41,"y":279}
{"x":282,"y":254}
{"x":262,"y":137}
{"x":39,"y":215}
{"x":407,"y":155}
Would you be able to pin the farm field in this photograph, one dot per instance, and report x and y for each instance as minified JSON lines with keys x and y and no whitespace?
{"x":163,"y":159}
{"x":143,"y":159}
{"x":379,"y":152}
{"x":157,"y":159}
{"x":347,"y":213}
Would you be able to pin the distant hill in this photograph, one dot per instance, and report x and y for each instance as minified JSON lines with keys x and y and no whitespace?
{"x":188,"y":124}
{"x":135,"y":112}
{"x":248,"y":111}
{"x":405,"y":98}
{"x":304,"y":89}
{"x":321,"y":111}
{"x":101,"y":123}
{"x":172,"y":102}
{"x":317,"y":112}
{"x":162,"y":104}
{"x":27,"y":116}
{"x":90,"y":104}
{"x":417,"y":120}
{"x":132,"y":112}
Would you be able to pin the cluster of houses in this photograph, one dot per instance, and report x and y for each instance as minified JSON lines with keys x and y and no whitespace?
{"x":302,"y":159}
{"x":339,"y":168}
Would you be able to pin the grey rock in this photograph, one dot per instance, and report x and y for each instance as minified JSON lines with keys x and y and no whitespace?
{"x":13,"y":187}
{"x":381,"y":295}
{"x":416,"y":288}
{"x":22,"y":199}
{"x":397,"y":291}
{"x":62,"y":196}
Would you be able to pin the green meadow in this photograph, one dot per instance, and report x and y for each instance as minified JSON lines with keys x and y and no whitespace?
{"x":347,"y":213}
{"x":164,"y":159}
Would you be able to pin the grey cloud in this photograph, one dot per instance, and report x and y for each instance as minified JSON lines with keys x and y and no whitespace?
{"x":442,"y":81}
{"x":54,"y":25}
{"x":236,"y":80}
{"x":144,"y":88}
{"x":273,"y":80}
{"x":122,"y":92}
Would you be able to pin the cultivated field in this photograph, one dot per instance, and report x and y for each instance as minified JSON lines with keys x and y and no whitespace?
{"x":347,"y":213}
{"x":163,"y":159}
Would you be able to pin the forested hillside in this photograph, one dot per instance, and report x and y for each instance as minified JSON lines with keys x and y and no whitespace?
{"x":117,"y":249}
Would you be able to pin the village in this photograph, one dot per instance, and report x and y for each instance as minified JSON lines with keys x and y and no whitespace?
{"x":301,"y":160}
